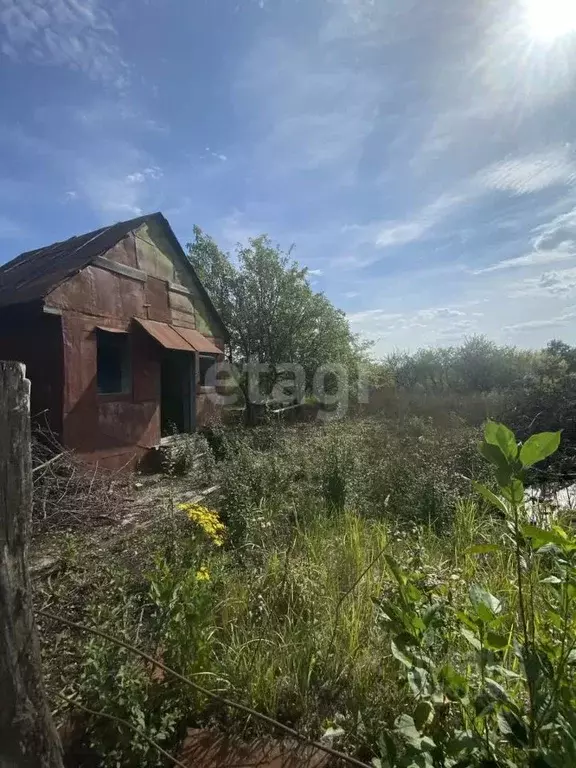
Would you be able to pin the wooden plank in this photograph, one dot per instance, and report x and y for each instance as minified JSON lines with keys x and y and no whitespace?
{"x":28,"y":738}
{"x":119,"y":269}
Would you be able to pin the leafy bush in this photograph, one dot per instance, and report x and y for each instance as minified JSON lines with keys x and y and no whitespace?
{"x":506,"y":698}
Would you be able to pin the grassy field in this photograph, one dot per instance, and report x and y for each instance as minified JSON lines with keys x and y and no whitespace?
{"x":283,"y":608}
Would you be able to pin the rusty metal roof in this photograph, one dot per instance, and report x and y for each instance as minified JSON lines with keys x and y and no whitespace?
{"x":32,"y":275}
{"x":198,"y":342}
{"x":165,"y":334}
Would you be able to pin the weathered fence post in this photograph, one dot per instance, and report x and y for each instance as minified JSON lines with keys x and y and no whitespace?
{"x":28,"y":738}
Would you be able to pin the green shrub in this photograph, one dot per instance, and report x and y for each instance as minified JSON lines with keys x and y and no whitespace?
{"x":493,"y":679}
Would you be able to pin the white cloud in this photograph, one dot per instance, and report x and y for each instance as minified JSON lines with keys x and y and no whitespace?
{"x":519,"y":175}
{"x":561,"y":229}
{"x":111,"y":191}
{"x":74,"y":33}
{"x":217,"y":155}
{"x":555,"y":283}
{"x":439,"y":312}
{"x":139,"y":177}
{"x":551,"y":322}
{"x":373,"y":314}
{"x":535,"y":258}
{"x":421,"y":224}
{"x":531,"y":173}
{"x":351,"y":294}
{"x":316,"y":272}
{"x":444,"y":320}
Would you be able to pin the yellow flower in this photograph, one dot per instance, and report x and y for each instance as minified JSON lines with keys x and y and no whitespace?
{"x":207,"y":520}
{"x":203,"y":574}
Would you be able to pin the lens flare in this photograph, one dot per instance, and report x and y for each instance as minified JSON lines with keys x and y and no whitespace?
{"x":550,"y":19}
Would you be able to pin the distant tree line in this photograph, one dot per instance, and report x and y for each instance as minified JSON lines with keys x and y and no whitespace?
{"x":531,"y":390}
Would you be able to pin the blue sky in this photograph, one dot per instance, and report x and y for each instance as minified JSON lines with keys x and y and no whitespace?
{"x":420,"y":154}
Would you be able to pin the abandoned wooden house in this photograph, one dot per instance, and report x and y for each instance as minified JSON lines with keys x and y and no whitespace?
{"x":117,"y":334}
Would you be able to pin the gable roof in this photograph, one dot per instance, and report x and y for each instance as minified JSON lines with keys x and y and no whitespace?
{"x":32,"y":275}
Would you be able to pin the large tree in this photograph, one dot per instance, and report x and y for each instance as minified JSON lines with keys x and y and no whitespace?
{"x":270,"y":309}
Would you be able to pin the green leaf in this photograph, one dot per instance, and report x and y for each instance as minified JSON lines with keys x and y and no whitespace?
{"x":422,"y":760}
{"x":463,"y":740}
{"x":418,"y":680}
{"x":551,"y":580}
{"x":493,"y":454}
{"x":509,"y":673}
{"x":481,"y":598}
{"x":407,"y":730}
{"x":542,"y":536}
{"x":468,"y":621}
{"x":453,"y":680}
{"x":432,"y":615}
{"x":539,"y":447}
{"x":496,"y":642}
{"x":388,"y":749}
{"x":491,"y":497}
{"x":471,"y":637}
{"x":484,"y":704}
{"x":397,"y":573}
{"x":483,"y":549}
{"x":514,"y":491}
{"x":402,"y":658}
{"x":504,"y":477}
{"x":423,"y":714}
{"x":503,"y":438}
{"x":495,"y":690}
{"x":512,"y":729}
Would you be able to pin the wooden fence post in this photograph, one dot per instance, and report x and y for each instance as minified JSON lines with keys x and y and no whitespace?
{"x":28,"y":737}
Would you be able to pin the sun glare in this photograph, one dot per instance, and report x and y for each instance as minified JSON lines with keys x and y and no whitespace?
{"x":550,"y":19}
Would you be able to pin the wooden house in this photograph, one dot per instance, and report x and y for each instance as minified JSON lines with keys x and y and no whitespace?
{"x":117,"y":334}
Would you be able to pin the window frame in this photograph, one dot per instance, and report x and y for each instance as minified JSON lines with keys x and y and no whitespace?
{"x":127,"y":382}
{"x":202,"y":386}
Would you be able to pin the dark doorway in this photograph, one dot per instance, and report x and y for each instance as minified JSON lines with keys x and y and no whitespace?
{"x":177,"y":404}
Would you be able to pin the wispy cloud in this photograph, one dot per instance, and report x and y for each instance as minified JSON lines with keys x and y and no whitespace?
{"x":561,"y":229}
{"x":315,"y":105}
{"x":554,"y":283}
{"x":551,"y":322}
{"x":139,"y":177}
{"x":316,"y":272}
{"x":444,"y":320}
{"x":75,"y":33}
{"x":531,"y":173}
{"x":111,"y":192}
{"x":217,"y":155}
{"x":535,"y":258}
{"x":421,"y":224}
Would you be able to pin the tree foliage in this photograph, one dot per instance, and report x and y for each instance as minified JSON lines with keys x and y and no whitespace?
{"x":477,"y":365}
{"x":268,"y":305}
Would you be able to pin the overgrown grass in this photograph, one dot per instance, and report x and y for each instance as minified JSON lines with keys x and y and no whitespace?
{"x":289,"y":621}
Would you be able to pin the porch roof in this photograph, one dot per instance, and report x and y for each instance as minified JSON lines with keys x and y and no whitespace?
{"x":180,"y":339}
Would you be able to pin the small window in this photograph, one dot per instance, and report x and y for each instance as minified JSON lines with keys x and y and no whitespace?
{"x":114,"y":370}
{"x":206,"y":362}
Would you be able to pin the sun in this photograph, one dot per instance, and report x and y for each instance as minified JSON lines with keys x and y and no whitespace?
{"x":550,"y":19}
